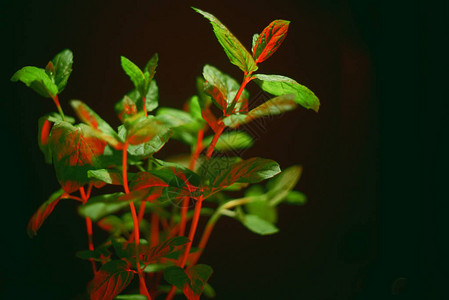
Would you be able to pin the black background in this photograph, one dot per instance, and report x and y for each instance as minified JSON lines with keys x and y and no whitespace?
{"x":374,"y":157}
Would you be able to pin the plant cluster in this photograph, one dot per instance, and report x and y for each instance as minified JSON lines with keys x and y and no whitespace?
{"x":147,"y":221}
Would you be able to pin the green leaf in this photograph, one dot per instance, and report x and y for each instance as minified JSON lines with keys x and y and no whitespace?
{"x":176,"y":276}
{"x":279,"y":186}
{"x":252,"y":170}
{"x":112,"y":278}
{"x":255,"y":38}
{"x":125,"y":108}
{"x":296,"y":198}
{"x":262,"y":209}
{"x":146,"y":130}
{"x":150,"y":67}
{"x":222,"y":89}
{"x":103,"y":205}
{"x":112,"y":224}
{"x":278,"y":85}
{"x":38,"y":80}
{"x":135,"y":74}
{"x":99,"y":254}
{"x":209,"y":291}
{"x":198,"y":276}
{"x":108,"y":176}
{"x":152,"y":96}
{"x":43,"y":212}
{"x":233,"y":140}
{"x":184,"y":127}
{"x":91,"y":118}
{"x":62,"y":68}
{"x":235,"y":51}
{"x":258,"y":225}
{"x":269,"y":40}
{"x":75,"y":150}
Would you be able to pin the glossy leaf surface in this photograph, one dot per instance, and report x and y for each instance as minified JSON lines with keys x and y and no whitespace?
{"x":278,"y":85}
{"x":38,"y":80}
{"x":62,"y":68}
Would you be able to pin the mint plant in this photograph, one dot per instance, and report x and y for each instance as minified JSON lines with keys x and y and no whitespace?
{"x":147,"y":217}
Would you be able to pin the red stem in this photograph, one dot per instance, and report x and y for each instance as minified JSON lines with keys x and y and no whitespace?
{"x":90,"y":242}
{"x":58,"y":106}
{"x":210,"y":150}
{"x":199,"y":147}
{"x":154,"y":240}
{"x":203,"y":242}
{"x":143,"y":287}
{"x":144,"y":106}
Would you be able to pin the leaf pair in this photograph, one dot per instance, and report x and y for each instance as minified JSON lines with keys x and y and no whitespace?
{"x":142,"y":81}
{"x":191,"y":281}
{"x":222,"y":89}
{"x":50,"y":81}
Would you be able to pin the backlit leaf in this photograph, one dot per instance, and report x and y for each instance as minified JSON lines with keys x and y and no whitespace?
{"x":235,"y":51}
{"x":278,"y":85}
{"x":279,"y":186}
{"x":75,"y":150}
{"x":146,"y":130}
{"x":135,"y":74}
{"x":108,"y":176}
{"x":62,"y":68}
{"x":233,"y":140}
{"x":255,"y":38}
{"x":112,"y":278}
{"x":103,"y":205}
{"x":258,"y":225}
{"x":262,"y":208}
{"x":296,"y":198}
{"x":43,"y":212}
{"x":125,"y":108}
{"x":38,"y":80}
{"x":91,"y":118}
{"x":269,"y":40}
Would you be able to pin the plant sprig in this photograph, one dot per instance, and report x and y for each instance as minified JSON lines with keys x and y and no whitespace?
{"x":153,"y":240}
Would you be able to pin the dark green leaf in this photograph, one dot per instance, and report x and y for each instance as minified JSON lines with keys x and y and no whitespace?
{"x":43,"y":212}
{"x":152,"y":96}
{"x":99,"y":254}
{"x":38,"y":80}
{"x":235,"y":51}
{"x":131,"y":297}
{"x":155,"y":253}
{"x":258,"y":225}
{"x":198,"y":276}
{"x":103,"y":205}
{"x":176,"y":276}
{"x":278,"y":85}
{"x":112,"y":278}
{"x":269,"y":40}
{"x":62,"y":66}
